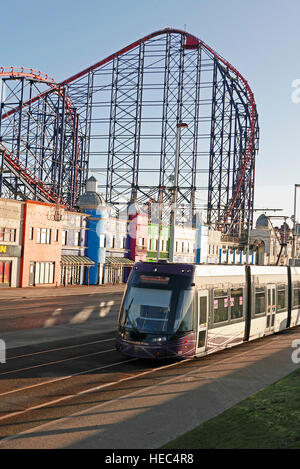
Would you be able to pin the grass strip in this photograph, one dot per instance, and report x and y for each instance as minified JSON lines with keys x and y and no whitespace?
{"x":268,"y":419}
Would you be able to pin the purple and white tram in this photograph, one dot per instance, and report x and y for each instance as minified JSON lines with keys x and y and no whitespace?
{"x":186,"y":310}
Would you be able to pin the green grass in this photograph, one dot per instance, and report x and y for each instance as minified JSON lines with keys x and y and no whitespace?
{"x":268,"y":419}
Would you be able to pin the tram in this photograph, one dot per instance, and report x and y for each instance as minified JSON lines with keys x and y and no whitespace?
{"x":186,"y":310}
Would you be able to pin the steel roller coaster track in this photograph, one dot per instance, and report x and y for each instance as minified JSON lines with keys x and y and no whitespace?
{"x":119,"y":117}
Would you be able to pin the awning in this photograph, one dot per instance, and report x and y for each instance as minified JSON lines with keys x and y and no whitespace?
{"x":76,"y":260}
{"x":119,"y":261}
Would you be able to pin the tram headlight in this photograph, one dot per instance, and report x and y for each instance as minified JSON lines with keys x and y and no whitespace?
{"x":159,"y":339}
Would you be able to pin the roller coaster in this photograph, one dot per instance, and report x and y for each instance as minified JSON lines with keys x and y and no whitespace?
{"x":119,"y":118}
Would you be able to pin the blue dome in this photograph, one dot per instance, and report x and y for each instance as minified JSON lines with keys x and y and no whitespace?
{"x":263,"y":222}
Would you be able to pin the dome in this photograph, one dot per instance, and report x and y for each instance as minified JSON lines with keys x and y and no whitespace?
{"x":263,"y":222}
{"x":91,"y":199}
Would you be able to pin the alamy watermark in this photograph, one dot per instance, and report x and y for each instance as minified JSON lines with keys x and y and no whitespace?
{"x":296,"y":353}
{"x":2,"y":351}
{"x":295,"y":96}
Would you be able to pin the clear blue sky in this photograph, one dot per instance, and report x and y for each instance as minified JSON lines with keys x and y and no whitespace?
{"x":261,"y":38}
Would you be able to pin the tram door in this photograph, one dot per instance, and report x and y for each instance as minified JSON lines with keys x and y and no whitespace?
{"x":271,"y":307}
{"x":202,"y":321}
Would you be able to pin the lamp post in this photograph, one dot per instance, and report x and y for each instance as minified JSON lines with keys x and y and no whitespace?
{"x":294,"y":226}
{"x":180,"y":125}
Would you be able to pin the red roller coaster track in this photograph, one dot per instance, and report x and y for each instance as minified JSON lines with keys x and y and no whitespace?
{"x":13,"y":162}
{"x":191,"y":42}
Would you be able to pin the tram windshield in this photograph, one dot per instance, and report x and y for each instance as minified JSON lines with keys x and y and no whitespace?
{"x":158,"y":305}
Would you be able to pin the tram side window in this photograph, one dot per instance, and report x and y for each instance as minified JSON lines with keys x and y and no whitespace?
{"x":281,"y":298}
{"x":236,"y":303}
{"x":220,"y":306}
{"x":184,"y":313}
{"x":203,"y":310}
{"x":296,"y":294}
{"x":260,"y":300}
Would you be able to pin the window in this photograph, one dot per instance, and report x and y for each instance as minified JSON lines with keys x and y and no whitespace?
{"x":64,"y":238}
{"x":77,"y":238}
{"x":236,"y":303}
{"x":56,"y":236}
{"x":46,"y":275}
{"x":124,"y":243}
{"x":148,"y":309}
{"x":184,"y":314}
{"x":220,"y":306}
{"x":260,"y":300}
{"x":162,"y":245}
{"x":8,"y":234}
{"x":149,"y":244}
{"x":31,"y":232}
{"x":281,"y":298}
{"x":44,"y":272}
{"x":44,"y":235}
{"x":296,"y":294}
{"x":203,"y":310}
{"x":102,"y":241}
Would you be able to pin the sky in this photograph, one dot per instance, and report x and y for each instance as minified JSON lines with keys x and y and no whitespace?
{"x":261,"y":38}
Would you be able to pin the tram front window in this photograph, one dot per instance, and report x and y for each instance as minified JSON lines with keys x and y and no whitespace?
{"x":166,"y":310}
{"x":148,"y":310}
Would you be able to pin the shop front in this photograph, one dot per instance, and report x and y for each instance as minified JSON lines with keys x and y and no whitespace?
{"x":117,"y":269}
{"x":73,"y":268}
{"x":9,"y":265}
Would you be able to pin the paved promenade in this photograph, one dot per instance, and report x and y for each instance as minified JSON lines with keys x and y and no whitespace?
{"x":44,"y":292}
{"x":40,"y":315}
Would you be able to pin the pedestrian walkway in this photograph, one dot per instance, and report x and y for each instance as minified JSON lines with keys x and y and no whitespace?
{"x":41,"y":315}
{"x":43,"y":292}
{"x":153,"y":415}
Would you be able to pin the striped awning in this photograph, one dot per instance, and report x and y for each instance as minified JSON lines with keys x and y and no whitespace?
{"x":76,"y":260}
{"x":122,"y":261}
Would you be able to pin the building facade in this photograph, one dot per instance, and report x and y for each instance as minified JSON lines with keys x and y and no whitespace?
{"x":158,"y":243}
{"x":117,"y":258}
{"x":75,"y":264}
{"x":43,"y":244}
{"x":11,"y":226}
{"x":273,"y":245}
{"x":94,"y":205}
{"x":41,"y":241}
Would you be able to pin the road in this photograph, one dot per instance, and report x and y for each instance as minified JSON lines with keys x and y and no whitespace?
{"x":65,"y":386}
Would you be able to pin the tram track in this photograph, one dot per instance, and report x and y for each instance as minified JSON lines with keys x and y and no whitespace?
{"x":98,"y":377}
{"x":58,"y":349}
{"x":19,"y":401}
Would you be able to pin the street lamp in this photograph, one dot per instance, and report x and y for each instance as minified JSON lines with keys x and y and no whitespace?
{"x":180,"y":125}
{"x":294,"y":226}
